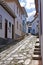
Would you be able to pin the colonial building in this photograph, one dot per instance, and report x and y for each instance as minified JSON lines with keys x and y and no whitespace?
{"x":24,"y":16}
{"x":7,"y":17}
{"x":12,"y":16}
{"x":35,"y":26}
{"x":16,"y":7}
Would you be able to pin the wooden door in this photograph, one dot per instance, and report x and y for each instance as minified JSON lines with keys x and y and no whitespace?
{"x":6,"y":28}
{"x":12,"y":31}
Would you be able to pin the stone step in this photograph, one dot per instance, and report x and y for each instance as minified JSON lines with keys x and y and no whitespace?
{"x":37,"y":41}
{"x":36,"y":62}
{"x":36,"y":57}
{"x":37,"y":49}
{"x":37,"y":52}
{"x":37,"y":46}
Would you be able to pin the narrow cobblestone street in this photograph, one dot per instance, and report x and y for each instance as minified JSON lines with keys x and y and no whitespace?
{"x":20,"y":54}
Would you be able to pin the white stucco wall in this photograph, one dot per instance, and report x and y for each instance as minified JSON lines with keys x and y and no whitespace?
{"x":24,"y":19}
{"x":5,"y":15}
{"x":18,"y":31}
{"x":14,"y":6}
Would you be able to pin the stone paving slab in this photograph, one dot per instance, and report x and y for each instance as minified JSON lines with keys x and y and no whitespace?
{"x":36,"y":57}
{"x":27,"y":61}
{"x":34,"y":62}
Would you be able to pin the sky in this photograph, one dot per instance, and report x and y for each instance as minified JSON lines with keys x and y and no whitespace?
{"x":30,"y":8}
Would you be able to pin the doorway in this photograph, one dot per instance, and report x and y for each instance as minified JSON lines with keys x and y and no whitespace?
{"x":6,"y":24}
{"x":12,"y":31}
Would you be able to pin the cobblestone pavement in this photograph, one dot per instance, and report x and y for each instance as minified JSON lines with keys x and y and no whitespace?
{"x":19,"y":54}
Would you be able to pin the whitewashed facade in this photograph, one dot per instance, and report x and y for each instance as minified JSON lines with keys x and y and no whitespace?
{"x":15,"y":6}
{"x":6,"y":22}
{"x":24,"y":20}
{"x":34,"y":26}
{"x":17,"y":22}
{"x":12,"y":16}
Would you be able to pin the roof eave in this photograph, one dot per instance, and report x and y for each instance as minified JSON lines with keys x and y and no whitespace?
{"x":7,"y":8}
{"x":36,"y":6}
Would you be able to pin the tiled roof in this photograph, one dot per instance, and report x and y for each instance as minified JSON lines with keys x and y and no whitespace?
{"x":7,"y":8}
{"x":36,"y":6}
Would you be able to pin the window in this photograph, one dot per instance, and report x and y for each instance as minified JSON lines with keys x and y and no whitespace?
{"x":20,"y":27}
{"x":17,"y":10}
{"x":34,"y":31}
{"x":9,"y":24}
{"x":37,"y":21}
{"x":21,"y":16}
{"x":0,"y":22}
{"x":17,"y":24}
{"x":9,"y":27}
{"x":23,"y":22}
